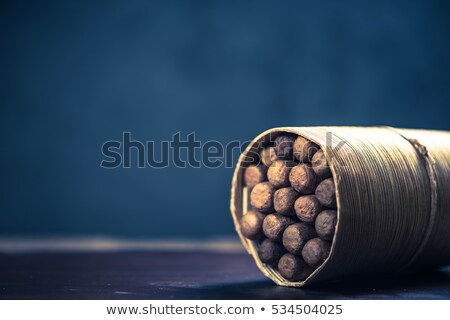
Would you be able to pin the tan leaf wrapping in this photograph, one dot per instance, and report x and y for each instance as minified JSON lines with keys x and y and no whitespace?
{"x":393,"y":200}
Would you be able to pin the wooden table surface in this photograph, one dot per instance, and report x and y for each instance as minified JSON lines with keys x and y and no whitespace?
{"x":186,"y":274}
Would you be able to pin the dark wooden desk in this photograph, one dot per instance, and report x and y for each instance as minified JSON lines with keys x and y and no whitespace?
{"x":182,"y":275}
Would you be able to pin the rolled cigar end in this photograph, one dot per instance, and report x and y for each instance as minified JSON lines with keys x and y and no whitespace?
{"x":293,"y":268}
{"x":296,"y":235}
{"x":315,"y":252}
{"x":254,"y":174}
{"x":303,"y":179}
{"x":270,"y":252}
{"x":251,"y":225}
{"x":268,"y":156}
{"x":261,"y":197}
{"x":274,"y":226}
{"x":304,"y":149}
{"x":278,"y":173}
{"x":284,"y":200}
{"x":320,"y":165}
{"x":284,"y":146}
{"x":326,"y":224}
{"x":307,"y":208}
{"x":326,"y":193}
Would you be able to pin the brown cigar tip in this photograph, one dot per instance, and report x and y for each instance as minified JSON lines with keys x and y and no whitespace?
{"x":320,"y":165}
{"x":274,"y":225}
{"x":307,"y":208}
{"x":251,"y":225}
{"x":254,"y":174}
{"x":315,"y":252}
{"x":268,"y":156}
{"x":304,"y":149}
{"x":303,"y":179}
{"x":296,"y":235}
{"x":284,"y":200}
{"x":270,"y":252}
{"x":293,"y":268}
{"x":326,"y":224}
{"x":326,"y":193}
{"x":261,"y":197}
{"x":284,"y":146}
{"x":278,"y":173}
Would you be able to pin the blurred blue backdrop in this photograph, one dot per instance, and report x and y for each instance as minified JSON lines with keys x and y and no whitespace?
{"x":76,"y":74}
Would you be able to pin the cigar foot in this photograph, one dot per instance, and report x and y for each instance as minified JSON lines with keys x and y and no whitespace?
{"x":293,"y":268}
{"x":307,"y":208}
{"x":284,"y":146}
{"x":326,"y":224}
{"x":278,"y":173}
{"x":284,"y":200}
{"x":251,"y":225}
{"x":261,"y":197}
{"x":326,"y":193}
{"x":268,"y":156}
{"x":320,"y":165}
{"x":274,"y":226}
{"x":315,"y":252}
{"x":303,"y":179}
{"x":254,"y":174}
{"x":296,"y":235}
{"x":304,"y":149}
{"x":270,"y":252}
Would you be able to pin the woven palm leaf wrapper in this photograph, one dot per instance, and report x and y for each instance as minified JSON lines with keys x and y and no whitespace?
{"x":393,"y":200}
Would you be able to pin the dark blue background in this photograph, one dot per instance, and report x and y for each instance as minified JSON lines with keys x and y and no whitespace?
{"x":76,"y":74}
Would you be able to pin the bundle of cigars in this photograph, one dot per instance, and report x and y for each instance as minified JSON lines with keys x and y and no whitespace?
{"x":314,"y":204}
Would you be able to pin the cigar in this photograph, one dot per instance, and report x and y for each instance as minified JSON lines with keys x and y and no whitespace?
{"x":251,"y":225}
{"x":261,"y":197}
{"x":296,"y":235}
{"x":320,"y":165}
{"x":278,"y":173}
{"x":307,"y":208}
{"x":274,"y":225}
{"x":292,"y":193}
{"x":326,"y":223}
{"x":326,"y":193}
{"x":284,"y":146}
{"x":284,"y":200}
{"x":270,"y":252}
{"x":302,"y":178}
{"x":255,"y":174}
{"x":293,"y":268}
{"x":304,"y":149}
{"x":268,"y":156}
{"x":315,"y":252}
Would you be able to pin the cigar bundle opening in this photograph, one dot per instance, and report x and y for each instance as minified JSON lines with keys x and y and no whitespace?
{"x":319,"y":203}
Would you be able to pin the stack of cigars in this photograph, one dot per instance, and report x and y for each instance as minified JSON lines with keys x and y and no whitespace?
{"x":293,"y":214}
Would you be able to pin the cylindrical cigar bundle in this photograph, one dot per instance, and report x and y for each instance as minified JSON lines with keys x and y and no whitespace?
{"x":329,"y":203}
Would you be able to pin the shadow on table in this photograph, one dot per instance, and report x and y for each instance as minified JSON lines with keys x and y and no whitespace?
{"x":185,"y":275}
{"x":430,"y":285}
